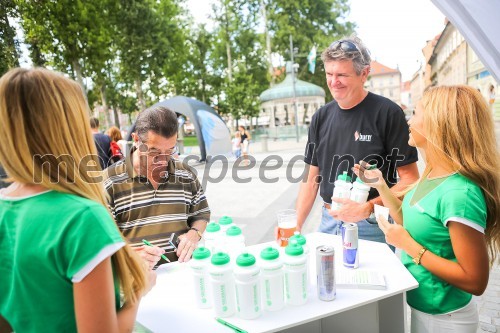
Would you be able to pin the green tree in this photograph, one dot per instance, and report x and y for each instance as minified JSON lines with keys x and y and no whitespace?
{"x":195,"y":77}
{"x":9,"y":45}
{"x":63,"y":32}
{"x":147,"y":34}
{"x":239,"y":57}
{"x":310,"y":22}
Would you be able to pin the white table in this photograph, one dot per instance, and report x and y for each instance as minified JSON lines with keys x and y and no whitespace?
{"x":170,"y":307}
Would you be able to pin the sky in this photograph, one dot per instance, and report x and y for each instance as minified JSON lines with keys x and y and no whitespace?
{"x":395,"y":31}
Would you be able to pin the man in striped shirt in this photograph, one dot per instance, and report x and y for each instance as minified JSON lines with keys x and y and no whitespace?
{"x":152,"y":196}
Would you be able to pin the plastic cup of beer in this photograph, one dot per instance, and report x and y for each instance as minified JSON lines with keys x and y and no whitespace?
{"x":287,"y":224}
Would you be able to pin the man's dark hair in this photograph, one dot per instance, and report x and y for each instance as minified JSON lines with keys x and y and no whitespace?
{"x":157,"y":119}
{"x":94,"y":122}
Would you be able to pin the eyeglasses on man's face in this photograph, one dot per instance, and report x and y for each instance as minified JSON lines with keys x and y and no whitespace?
{"x":346,"y":46}
{"x":153,"y":152}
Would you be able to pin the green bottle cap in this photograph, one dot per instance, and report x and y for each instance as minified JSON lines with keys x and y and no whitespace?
{"x":225,"y":220}
{"x":269,"y":253}
{"x":301,"y":240}
{"x":245,"y":260}
{"x":201,"y":253}
{"x":212,"y":227}
{"x":233,"y":231}
{"x":359,"y":180}
{"x":344,"y":176}
{"x":220,"y":258}
{"x":294,"y":249}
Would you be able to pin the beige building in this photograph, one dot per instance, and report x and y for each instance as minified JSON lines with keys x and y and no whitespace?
{"x":417,"y":86}
{"x":449,"y":58}
{"x":479,"y":77}
{"x":384,"y":81}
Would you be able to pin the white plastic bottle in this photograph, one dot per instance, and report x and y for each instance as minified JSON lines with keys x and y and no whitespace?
{"x":225,"y":222}
{"x":222,"y":282}
{"x":302,"y":241}
{"x":200,"y":264}
{"x":360,"y":191}
{"x":248,"y":299}
{"x":341,"y":190}
{"x":295,"y":275}
{"x":213,"y":237}
{"x":234,"y":241}
{"x":271,"y":276}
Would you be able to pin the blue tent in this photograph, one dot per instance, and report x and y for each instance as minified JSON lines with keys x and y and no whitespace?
{"x":214,"y":138}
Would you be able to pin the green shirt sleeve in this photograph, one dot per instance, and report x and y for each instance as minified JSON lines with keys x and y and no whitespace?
{"x":465,"y":206}
{"x":90,"y":238}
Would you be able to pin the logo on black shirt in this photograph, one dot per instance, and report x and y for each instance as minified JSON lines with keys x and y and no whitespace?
{"x":362,"y":137}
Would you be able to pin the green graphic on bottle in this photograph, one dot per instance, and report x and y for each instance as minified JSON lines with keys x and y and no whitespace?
{"x":269,"y":303}
{"x":203,"y":300}
{"x":224,"y":308}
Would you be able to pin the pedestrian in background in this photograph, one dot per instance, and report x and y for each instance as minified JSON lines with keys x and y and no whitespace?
{"x":448,"y":223}
{"x":102,"y":142}
{"x":64,"y":262}
{"x":245,"y":142}
{"x":492,"y":96}
{"x":236,"y":144}
{"x":117,"y":147}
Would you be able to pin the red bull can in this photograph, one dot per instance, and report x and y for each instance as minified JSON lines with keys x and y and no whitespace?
{"x":325,"y":272}
{"x":350,"y":245}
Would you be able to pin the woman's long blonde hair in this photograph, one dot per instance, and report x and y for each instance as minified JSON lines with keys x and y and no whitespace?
{"x":46,"y":139}
{"x":461,"y":134}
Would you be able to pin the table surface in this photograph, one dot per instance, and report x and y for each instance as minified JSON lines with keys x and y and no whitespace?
{"x":170,"y":305}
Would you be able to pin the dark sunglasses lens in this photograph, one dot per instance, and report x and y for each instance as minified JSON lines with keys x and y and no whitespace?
{"x":348,"y":47}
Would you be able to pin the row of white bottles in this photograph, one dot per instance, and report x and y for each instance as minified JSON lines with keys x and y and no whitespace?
{"x":344,"y":189}
{"x":247,"y":287}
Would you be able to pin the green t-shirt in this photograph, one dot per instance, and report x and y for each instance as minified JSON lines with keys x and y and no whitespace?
{"x":427,"y":209}
{"x":48,"y":242}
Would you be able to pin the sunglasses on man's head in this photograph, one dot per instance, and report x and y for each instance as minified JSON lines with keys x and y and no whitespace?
{"x":346,"y":46}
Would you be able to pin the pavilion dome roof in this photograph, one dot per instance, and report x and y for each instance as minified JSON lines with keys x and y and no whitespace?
{"x":284,"y":89}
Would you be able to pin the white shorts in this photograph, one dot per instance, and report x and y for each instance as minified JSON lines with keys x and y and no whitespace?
{"x":464,"y":320}
{"x":244,"y":148}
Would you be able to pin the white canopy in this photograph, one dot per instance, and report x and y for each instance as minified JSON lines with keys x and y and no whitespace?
{"x":479,"y":22}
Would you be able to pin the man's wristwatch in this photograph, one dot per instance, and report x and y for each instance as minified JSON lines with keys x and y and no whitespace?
{"x":197,"y":231}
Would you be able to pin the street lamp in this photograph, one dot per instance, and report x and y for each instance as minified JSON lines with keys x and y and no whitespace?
{"x":292,"y":51}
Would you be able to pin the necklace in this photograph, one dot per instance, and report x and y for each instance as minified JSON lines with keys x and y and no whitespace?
{"x":441,"y":176}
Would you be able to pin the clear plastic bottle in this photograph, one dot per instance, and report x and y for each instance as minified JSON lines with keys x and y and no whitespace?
{"x":295,"y":275}
{"x":213,"y":237}
{"x":341,"y":190}
{"x":360,"y":191}
{"x":271,"y":275}
{"x":234,"y":242}
{"x":248,"y":299}
{"x":200,"y":264}
{"x":222,"y":282}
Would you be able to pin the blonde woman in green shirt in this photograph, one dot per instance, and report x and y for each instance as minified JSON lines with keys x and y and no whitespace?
{"x":448,"y":223}
{"x":64,"y":262}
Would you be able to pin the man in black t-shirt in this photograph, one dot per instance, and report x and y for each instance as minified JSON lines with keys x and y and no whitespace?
{"x":102,"y":143}
{"x":357,"y":125}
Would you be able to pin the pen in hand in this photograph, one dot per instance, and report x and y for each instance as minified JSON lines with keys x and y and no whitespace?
{"x":149,"y":244}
